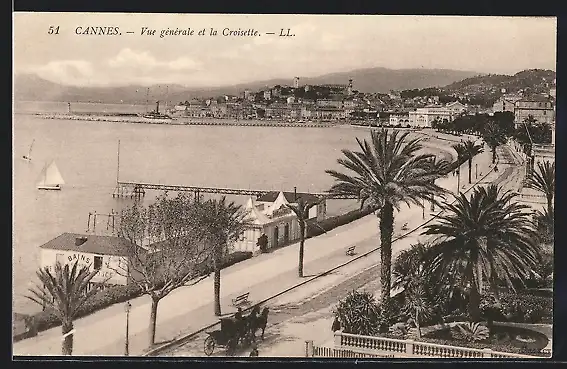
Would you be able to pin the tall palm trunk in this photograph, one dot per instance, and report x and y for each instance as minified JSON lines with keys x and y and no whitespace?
{"x":67,"y":345}
{"x":301,"y":248}
{"x":153,"y":319}
{"x":550,"y":203}
{"x":216,"y":283}
{"x":493,"y":155}
{"x":386,"y":232}
{"x":417,"y":323}
{"x":474,"y":296}
{"x":470,"y":170}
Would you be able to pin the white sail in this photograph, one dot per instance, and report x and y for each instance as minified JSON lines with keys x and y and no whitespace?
{"x":51,"y":176}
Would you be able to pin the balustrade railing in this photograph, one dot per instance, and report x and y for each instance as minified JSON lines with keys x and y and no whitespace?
{"x":410,"y":348}
{"x":322,"y":351}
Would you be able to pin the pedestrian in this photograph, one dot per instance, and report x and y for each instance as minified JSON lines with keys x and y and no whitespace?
{"x":336,"y":325}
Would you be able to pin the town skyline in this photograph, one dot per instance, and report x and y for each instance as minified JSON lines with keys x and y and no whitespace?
{"x":318,"y":48}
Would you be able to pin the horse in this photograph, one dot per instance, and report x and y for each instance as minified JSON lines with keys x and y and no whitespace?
{"x":249,"y":323}
{"x":260,"y":322}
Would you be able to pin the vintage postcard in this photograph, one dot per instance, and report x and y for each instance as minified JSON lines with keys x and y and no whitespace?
{"x":310,"y":186}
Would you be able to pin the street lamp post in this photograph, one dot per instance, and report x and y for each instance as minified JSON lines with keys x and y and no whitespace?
{"x":458,"y":181}
{"x":127,"y":308}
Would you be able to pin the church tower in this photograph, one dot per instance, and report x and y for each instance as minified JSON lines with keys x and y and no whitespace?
{"x":296,"y":82}
{"x":349,"y":88}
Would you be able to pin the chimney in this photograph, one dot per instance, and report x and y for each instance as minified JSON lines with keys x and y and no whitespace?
{"x":80,"y":240}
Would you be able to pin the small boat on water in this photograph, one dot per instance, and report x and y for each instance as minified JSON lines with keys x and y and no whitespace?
{"x":28,"y":156}
{"x":50,"y":178}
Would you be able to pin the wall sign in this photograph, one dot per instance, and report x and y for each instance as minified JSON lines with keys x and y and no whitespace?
{"x":76,"y":257}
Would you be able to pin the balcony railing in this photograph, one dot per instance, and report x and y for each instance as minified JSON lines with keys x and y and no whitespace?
{"x":410,"y":348}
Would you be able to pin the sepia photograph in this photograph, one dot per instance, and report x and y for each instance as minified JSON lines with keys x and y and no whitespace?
{"x":283,"y":186}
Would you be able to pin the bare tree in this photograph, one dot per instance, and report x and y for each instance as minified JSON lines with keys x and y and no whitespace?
{"x":165,"y":250}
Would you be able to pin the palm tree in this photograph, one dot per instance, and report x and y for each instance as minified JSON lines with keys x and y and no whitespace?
{"x":487,"y":238}
{"x":461,"y":154}
{"x":494,"y":136}
{"x":417,"y":304}
{"x":223,"y":223}
{"x":64,"y":292}
{"x":386,"y":172}
{"x":301,"y":209}
{"x":543,"y":179}
{"x":440,"y":166}
{"x":545,"y":221}
{"x":409,"y":266}
{"x":471,"y":150}
{"x":410,"y":274}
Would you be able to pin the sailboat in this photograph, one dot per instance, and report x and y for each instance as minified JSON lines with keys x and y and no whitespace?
{"x":50,"y":178}
{"x":28,"y":156}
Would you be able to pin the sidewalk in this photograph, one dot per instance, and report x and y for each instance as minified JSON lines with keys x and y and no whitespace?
{"x":190,"y":308}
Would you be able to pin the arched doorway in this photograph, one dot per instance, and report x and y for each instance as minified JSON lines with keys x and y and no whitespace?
{"x":276,"y":235}
{"x":286,"y":233}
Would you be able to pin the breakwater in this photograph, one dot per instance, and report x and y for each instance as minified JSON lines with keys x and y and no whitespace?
{"x":132,"y":118}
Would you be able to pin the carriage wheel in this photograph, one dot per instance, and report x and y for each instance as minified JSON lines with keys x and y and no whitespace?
{"x":209,"y":346}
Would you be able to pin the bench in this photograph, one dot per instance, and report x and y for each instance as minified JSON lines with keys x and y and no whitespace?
{"x":350,"y":250}
{"x":241,"y":299}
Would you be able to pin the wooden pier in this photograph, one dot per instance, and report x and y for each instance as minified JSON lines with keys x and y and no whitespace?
{"x":138,"y":189}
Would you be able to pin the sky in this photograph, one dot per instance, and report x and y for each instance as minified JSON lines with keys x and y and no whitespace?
{"x":321,"y":44}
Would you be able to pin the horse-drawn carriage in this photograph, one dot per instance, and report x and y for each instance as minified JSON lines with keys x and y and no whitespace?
{"x":237,"y":331}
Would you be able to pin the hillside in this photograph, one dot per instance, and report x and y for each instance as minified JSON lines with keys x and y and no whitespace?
{"x":372,"y":80}
{"x":486,"y":89}
{"x":531,"y":81}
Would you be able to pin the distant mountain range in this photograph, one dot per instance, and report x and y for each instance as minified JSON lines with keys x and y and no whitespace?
{"x":30,"y":87}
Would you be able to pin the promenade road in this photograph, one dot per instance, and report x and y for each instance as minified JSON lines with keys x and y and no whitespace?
{"x":190,"y":308}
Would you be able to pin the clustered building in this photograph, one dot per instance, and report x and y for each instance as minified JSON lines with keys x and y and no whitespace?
{"x":321,"y":102}
{"x":333,"y":102}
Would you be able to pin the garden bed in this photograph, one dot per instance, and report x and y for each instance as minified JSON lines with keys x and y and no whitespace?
{"x":502,"y":338}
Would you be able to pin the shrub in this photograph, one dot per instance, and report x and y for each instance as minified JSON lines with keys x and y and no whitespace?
{"x":471,"y":332}
{"x":519,"y":308}
{"x":389,"y":313}
{"x":358,"y":314}
{"x":236,"y":257}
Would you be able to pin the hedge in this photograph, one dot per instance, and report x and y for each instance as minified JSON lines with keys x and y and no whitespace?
{"x":315,"y":228}
{"x":112,"y":295}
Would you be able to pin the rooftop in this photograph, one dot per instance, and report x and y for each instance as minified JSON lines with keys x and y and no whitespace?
{"x":102,"y":245}
{"x":289,"y":196}
{"x":537,"y":98}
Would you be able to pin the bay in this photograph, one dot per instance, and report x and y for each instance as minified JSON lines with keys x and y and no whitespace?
{"x":267,"y":158}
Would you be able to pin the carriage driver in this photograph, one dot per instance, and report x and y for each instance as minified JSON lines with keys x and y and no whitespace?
{"x":238,"y":316}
